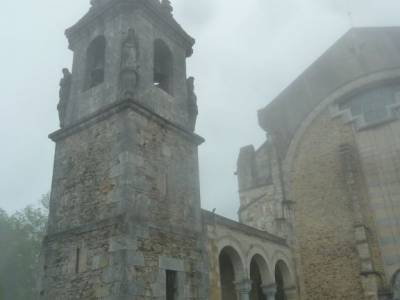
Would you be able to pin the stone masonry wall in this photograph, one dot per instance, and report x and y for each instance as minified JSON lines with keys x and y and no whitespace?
{"x":328,"y":264}
{"x":261,"y":205}
{"x":379,"y":152}
{"x":126,"y":194}
{"x":258,"y":208}
{"x":87,"y":179}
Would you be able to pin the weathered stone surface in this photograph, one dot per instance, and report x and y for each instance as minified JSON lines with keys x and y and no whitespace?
{"x":125,"y":204}
{"x":335,"y":132}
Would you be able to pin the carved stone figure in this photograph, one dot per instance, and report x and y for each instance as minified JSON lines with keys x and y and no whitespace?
{"x":396,"y":287}
{"x":192,"y":103}
{"x":129,"y":66}
{"x":65,"y":90}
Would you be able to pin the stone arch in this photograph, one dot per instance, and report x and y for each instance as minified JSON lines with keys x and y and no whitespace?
{"x":294,"y":151}
{"x":258,"y":253}
{"x":396,"y":285}
{"x":163,"y":66}
{"x":95,"y":62}
{"x":284,"y":282}
{"x":358,"y":85}
{"x":282,"y":260}
{"x":260,"y":277}
{"x":231,"y":241}
{"x":231,"y":270}
{"x":287,"y":276}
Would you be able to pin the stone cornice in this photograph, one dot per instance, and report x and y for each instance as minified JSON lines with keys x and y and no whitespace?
{"x":151,"y":7}
{"x":120,"y":106}
{"x":212,"y":218}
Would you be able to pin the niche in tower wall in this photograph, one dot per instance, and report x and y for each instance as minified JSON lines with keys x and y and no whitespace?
{"x":163,"y":72}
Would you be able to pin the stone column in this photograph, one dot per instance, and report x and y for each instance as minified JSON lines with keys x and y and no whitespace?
{"x":291,"y":293}
{"x":269,"y":291}
{"x":244,"y":288}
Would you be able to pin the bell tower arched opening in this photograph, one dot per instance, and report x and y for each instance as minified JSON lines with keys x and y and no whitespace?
{"x":163,"y":67}
{"x":95,"y":62}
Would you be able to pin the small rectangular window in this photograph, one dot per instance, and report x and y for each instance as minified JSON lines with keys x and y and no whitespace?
{"x":171,"y":285}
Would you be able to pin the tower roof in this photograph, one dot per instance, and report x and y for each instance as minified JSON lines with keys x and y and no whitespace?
{"x":159,"y":11}
{"x":360,"y":52}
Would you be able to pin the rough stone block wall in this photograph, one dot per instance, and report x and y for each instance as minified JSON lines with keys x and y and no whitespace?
{"x":258,"y":208}
{"x":87,"y":179}
{"x":126,"y":193}
{"x":95,"y":275}
{"x":328,"y":263}
{"x":261,"y":204}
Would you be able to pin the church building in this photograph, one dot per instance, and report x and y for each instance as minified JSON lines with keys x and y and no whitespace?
{"x":328,"y":177}
{"x":320,"y":207}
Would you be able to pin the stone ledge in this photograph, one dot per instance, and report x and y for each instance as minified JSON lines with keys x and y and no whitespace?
{"x":118,"y":107}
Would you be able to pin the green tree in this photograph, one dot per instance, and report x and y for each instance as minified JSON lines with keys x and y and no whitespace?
{"x":21,"y":236}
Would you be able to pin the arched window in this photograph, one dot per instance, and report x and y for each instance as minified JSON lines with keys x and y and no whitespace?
{"x":95,"y":62}
{"x":163,"y":72}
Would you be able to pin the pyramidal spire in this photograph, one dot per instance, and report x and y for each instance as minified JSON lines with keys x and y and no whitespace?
{"x":167,"y":6}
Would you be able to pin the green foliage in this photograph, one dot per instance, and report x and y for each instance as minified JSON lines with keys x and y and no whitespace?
{"x":21,"y":236}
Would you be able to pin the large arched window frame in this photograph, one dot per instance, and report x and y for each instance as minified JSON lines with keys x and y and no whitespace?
{"x":163,"y":67}
{"x":95,"y":63}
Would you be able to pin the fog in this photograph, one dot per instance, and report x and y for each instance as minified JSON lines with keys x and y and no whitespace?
{"x":246,"y":53}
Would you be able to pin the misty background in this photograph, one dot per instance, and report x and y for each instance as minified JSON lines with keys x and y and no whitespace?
{"x":246,"y":53}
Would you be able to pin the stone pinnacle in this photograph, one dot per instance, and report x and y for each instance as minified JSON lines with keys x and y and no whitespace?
{"x":166,"y":6}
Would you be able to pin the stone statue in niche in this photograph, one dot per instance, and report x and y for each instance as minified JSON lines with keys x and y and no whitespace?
{"x":65,"y":90}
{"x":396,"y":287}
{"x":192,"y":103}
{"x":129,"y":65}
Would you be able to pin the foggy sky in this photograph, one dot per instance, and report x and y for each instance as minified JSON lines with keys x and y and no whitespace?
{"x":246,"y":53}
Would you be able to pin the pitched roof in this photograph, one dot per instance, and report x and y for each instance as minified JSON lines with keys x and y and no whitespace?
{"x":360,"y":52}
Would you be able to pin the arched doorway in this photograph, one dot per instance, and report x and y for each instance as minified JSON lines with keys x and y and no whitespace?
{"x":260,"y":277}
{"x":283,"y":280}
{"x":396,"y":286}
{"x":230,"y":270}
{"x":256,"y":281}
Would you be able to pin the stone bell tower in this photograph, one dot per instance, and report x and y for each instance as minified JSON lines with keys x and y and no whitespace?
{"x":125,"y":216}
